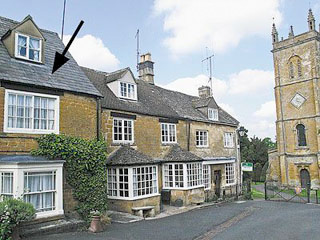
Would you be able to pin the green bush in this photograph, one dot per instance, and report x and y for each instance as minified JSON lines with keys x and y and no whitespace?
{"x":13,"y":212}
{"x":85,"y":168}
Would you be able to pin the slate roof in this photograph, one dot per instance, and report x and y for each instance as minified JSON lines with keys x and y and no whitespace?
{"x":148,"y":99}
{"x":69,"y":77}
{"x":125,"y":156}
{"x":14,"y":159}
{"x":110,"y":77}
{"x":205,"y":102}
{"x":177,"y":154}
{"x":154,"y":100}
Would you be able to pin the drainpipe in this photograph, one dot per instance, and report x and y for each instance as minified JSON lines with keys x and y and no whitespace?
{"x":188,"y":135}
{"x":98,"y":117}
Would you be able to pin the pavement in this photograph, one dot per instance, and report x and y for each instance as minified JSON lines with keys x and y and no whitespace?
{"x":237,"y":220}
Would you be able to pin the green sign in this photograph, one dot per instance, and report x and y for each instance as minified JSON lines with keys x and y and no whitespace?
{"x":247,"y":167}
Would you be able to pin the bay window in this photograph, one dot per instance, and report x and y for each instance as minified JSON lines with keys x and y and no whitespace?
{"x":206,"y":176}
{"x":168,"y":133}
{"x":6,"y":185}
{"x":31,"y":113}
{"x":230,"y":173}
{"x":38,"y":182}
{"x":122,"y":130}
{"x":132,"y":182}
{"x":28,"y":47}
{"x":182,"y":175}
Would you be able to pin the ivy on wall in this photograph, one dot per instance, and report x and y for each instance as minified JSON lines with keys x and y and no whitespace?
{"x":85,"y":168}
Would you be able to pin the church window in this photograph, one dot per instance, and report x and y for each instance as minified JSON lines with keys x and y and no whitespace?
{"x":301,"y":134}
{"x":299,"y":68}
{"x":291,"y":71}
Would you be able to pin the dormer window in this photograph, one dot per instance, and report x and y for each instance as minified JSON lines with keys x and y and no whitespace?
{"x":213,"y":114}
{"x":28,"y":48}
{"x":127,"y":90}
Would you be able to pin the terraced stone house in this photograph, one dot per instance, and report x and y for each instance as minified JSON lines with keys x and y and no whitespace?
{"x":165,"y":147}
{"x":34,"y":102}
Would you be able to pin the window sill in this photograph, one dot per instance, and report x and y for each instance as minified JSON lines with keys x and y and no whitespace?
{"x":229,"y":147}
{"x":134,"y":198}
{"x":123,"y":143}
{"x":203,"y":147}
{"x":26,"y":131}
{"x":184,"y":188}
{"x":28,"y":60}
{"x":168,"y":143}
{"x":301,"y":148}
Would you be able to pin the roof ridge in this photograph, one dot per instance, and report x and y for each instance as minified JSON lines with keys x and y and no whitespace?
{"x":17,"y":22}
{"x":94,"y":70}
{"x":118,"y":71}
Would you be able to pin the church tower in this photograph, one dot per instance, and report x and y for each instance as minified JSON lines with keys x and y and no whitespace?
{"x":297,"y":93}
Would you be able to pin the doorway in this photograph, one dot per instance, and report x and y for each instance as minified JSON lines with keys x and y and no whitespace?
{"x":217,"y":182}
{"x":305,"y":178}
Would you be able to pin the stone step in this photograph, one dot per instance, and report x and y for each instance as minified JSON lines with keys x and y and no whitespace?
{"x":51,"y":227}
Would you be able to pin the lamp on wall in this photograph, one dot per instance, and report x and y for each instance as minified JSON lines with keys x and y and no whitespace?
{"x":241,"y":131}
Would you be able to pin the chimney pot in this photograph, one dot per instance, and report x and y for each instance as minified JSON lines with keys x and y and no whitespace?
{"x":146,"y":68}
{"x":204,"y":92}
{"x":142,"y":58}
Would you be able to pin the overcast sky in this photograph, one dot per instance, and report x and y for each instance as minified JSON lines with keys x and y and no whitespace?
{"x":179,"y":34}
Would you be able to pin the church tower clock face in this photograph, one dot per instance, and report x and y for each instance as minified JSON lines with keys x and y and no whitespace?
{"x":298,"y":100}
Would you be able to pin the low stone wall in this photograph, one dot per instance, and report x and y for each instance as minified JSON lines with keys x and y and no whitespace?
{"x":127,"y":205}
{"x":189,"y":196}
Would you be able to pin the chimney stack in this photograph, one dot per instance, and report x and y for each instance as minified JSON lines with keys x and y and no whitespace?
{"x":204,"y":92}
{"x":146,"y":68}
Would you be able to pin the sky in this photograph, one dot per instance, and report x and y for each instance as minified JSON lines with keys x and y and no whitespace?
{"x":180,"y":34}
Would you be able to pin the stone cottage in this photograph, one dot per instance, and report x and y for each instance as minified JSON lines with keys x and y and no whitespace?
{"x":165,"y":146}
{"x":34,"y":102}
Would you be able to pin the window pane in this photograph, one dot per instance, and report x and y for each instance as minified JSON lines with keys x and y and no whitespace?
{"x":34,"y":43}
{"x":40,"y":190}
{"x":22,"y":46}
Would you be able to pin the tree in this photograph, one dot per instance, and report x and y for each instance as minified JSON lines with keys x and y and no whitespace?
{"x":255,"y":150}
{"x":257,"y":172}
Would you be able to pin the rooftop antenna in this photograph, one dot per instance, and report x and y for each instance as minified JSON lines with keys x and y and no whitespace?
{"x":210,"y":61}
{"x":138,"y":53}
{"x":63,"y":14}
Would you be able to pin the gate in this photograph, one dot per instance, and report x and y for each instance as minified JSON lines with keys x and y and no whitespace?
{"x":276,"y":192}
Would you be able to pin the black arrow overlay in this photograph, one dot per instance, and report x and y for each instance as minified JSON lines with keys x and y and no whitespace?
{"x":61,"y":59}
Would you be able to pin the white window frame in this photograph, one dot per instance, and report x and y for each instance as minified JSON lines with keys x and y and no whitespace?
{"x":31,"y":130}
{"x":206,"y":168}
{"x":228,"y":140}
{"x":213,"y":114}
{"x":131,"y":182}
{"x":122,"y":133}
{"x":230,"y":174}
{"x":134,"y":97}
{"x":27,"y":193}
{"x":19,"y":169}
{"x":186,"y":177}
{"x":3,"y":194}
{"x":168,"y":125}
{"x":202,"y":137}
{"x":27,"y":47}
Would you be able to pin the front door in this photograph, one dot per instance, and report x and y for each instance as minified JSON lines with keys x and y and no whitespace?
{"x":305,"y":178}
{"x":217,"y":182}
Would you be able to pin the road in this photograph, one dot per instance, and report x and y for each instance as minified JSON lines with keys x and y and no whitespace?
{"x":249,"y":220}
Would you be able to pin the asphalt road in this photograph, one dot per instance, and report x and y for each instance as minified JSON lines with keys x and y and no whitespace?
{"x":256,"y":220}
